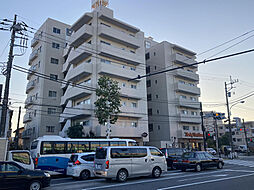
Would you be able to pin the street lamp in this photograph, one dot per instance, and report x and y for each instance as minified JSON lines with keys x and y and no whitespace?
{"x":241,"y":102}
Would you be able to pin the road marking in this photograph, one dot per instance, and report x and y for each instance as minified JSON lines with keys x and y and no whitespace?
{"x":220,"y":175}
{"x":248,"y":171}
{"x":203,"y":182}
{"x":74,"y":182}
{"x":149,"y":181}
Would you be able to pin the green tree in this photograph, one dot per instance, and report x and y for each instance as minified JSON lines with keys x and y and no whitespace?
{"x":75,"y":131}
{"x":225,"y":139}
{"x":108,"y":103}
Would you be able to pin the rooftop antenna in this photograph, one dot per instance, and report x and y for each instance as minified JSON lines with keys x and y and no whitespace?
{"x":99,"y":3}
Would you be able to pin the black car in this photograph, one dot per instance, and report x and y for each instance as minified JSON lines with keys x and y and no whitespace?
{"x":13,"y":176}
{"x":199,"y":160}
{"x":172,"y":155}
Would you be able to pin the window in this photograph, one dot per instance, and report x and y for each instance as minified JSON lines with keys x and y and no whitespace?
{"x":134,"y":124}
{"x":155,"y":152}
{"x":194,"y":128}
{"x":138,"y":152}
{"x":150,"y":127}
{"x":88,"y":158}
{"x":149,"y":97}
{"x":59,"y":147}
{"x":191,"y":84}
{"x":158,"y":111}
{"x":186,"y":128}
{"x":56,"y":30}
{"x":156,"y":81}
{"x":183,"y":97}
{"x":83,"y":147}
{"x":181,"y":82}
{"x":147,"y":69}
{"x":134,"y":104}
{"x":52,"y":93}
{"x":35,"y":113}
{"x":94,"y":145}
{"x":194,"y":113}
{"x":53,"y":77}
{"x":72,"y":147}
{"x":54,"y":61}
{"x":21,"y":157}
{"x":150,"y":111}
{"x":51,"y":111}
{"x":155,"y":67}
{"x":107,"y":43}
{"x":55,"y":45}
{"x":134,"y":86}
{"x":123,"y":104}
{"x":123,"y":84}
{"x":50,"y":129}
{"x":88,"y":81}
{"x":120,"y":153}
{"x":9,"y":168}
{"x":68,"y":32}
{"x":147,"y":44}
{"x":159,"y":127}
{"x":46,"y":148}
{"x":87,"y":101}
{"x":133,"y":69}
{"x":185,"y":112}
{"x":148,"y":83}
{"x":157,"y":96}
{"x":147,"y":56}
{"x":86,"y":123}
{"x":154,"y":53}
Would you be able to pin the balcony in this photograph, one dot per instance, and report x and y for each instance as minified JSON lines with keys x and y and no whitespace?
{"x":34,"y":41}
{"x":186,"y":74}
{"x":33,"y":56}
{"x":132,"y":93}
{"x":189,"y":135}
{"x":31,"y":71}
{"x":29,"y":101}
{"x":81,"y":21}
{"x":79,"y":72}
{"x":67,"y":50}
{"x":120,"y":54}
{"x":116,"y":70}
{"x":132,"y":112}
{"x":188,"y":103}
{"x":189,"y":119}
{"x":27,"y":118}
{"x":82,"y":35}
{"x":73,"y":92}
{"x":119,"y":37}
{"x":183,"y":60}
{"x":30,"y":86}
{"x":179,"y":87}
{"x":80,"y":53}
{"x":77,"y":112}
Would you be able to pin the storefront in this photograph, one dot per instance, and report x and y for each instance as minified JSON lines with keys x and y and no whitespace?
{"x":191,"y":141}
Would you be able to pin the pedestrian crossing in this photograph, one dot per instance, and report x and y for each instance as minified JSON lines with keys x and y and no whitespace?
{"x":240,"y":163}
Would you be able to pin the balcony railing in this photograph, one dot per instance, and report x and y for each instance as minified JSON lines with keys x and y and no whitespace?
{"x":33,"y":56}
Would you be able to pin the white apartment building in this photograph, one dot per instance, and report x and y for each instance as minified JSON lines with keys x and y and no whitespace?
{"x":103,"y":45}
{"x":173,"y":106}
{"x":43,"y":96}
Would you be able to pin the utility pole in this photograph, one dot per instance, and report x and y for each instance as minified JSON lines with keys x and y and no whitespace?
{"x":216,"y":135}
{"x":7,"y":81}
{"x":246,"y":139}
{"x":228,"y":94}
{"x":17,"y":131}
{"x":202,"y":125}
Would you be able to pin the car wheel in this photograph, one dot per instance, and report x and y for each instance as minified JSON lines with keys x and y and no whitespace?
{"x":220,"y":165}
{"x":122,"y":176}
{"x":84,"y":175}
{"x":156,"y":173}
{"x":198,"y":168}
{"x":35,"y":185}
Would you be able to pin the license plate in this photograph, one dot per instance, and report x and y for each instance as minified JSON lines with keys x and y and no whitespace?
{"x":98,"y":166}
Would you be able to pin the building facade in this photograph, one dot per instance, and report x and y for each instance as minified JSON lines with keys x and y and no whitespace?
{"x":103,"y":45}
{"x":173,"y":105}
{"x":43,"y":96}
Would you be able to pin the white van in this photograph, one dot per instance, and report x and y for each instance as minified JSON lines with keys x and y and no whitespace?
{"x":22,"y":158}
{"x":122,"y":162}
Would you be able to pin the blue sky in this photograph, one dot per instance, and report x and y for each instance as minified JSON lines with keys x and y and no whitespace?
{"x":197,"y":25}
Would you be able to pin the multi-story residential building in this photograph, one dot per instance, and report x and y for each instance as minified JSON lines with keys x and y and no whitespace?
{"x":173,"y":106}
{"x":103,"y":45}
{"x":43,"y":95}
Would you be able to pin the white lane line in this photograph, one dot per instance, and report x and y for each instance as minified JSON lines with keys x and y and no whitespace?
{"x":203,"y":182}
{"x":80,"y":182}
{"x":149,"y":181}
{"x":248,"y":171}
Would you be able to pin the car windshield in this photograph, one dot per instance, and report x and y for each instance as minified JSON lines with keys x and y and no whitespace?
{"x":188,"y":155}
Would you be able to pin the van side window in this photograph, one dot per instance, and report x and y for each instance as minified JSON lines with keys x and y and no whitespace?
{"x":120,"y":153}
{"x":88,"y":158}
{"x":155,"y":152}
{"x":21,"y":157}
{"x":138,"y":152}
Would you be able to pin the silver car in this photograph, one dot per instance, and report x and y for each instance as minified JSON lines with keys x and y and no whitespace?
{"x":80,"y":165}
{"x":122,"y":162}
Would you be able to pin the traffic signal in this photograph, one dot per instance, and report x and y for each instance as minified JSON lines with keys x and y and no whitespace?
{"x":219,"y":116}
{"x":209,"y":134}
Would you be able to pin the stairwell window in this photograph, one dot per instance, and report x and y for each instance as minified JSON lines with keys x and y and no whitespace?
{"x":185,"y":112}
{"x":55,"y":45}
{"x":56,"y":30}
{"x":50,"y":129}
{"x":150,"y":127}
{"x":54,"y":61}
{"x":51,"y":111}
{"x":134,"y":124}
{"x":134,"y":86}
{"x":148,"y":83}
{"x":52,"y":94}
{"x":149,"y":97}
{"x":147,"y":56}
{"x":134,"y":104}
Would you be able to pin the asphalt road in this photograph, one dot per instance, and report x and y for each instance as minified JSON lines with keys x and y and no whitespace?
{"x":236,"y":175}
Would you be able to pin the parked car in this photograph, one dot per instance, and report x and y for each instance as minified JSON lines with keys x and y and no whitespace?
{"x":13,"y":176}
{"x":81,"y":165}
{"x":172,"y":155}
{"x":242,"y":148}
{"x":122,"y":162}
{"x":199,"y":160}
{"x":211,"y":151}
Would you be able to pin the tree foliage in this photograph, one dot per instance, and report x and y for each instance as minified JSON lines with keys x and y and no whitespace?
{"x":108,"y":102}
{"x":225,"y":139}
{"x":75,"y":131}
